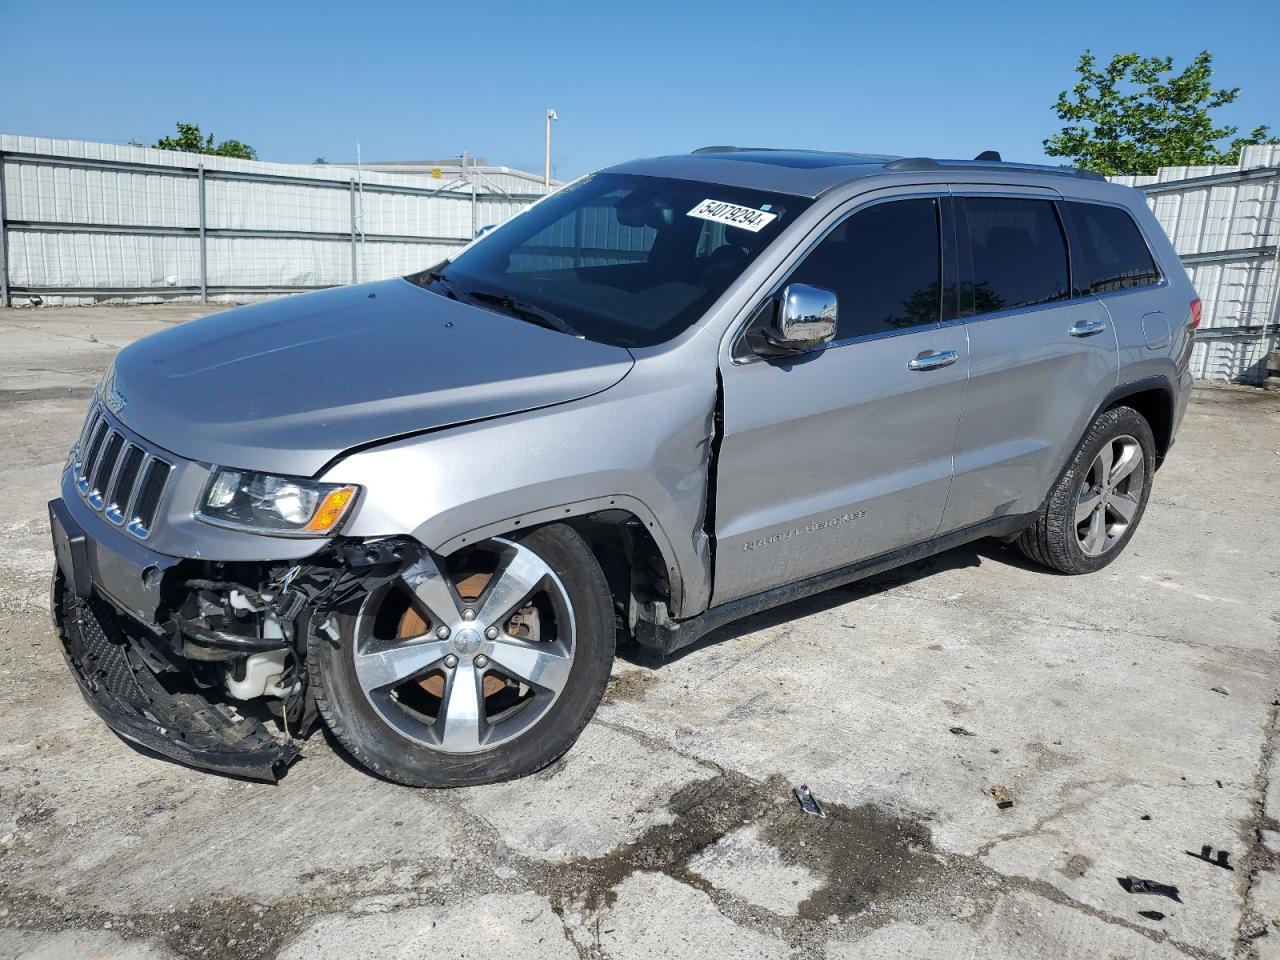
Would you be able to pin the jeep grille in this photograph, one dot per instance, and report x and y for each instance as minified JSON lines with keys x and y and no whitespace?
{"x":118,"y":475}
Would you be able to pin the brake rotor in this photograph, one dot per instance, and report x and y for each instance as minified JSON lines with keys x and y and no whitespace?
{"x":469,"y":587}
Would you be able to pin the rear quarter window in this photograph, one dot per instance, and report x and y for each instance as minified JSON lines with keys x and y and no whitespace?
{"x":1110,"y":253}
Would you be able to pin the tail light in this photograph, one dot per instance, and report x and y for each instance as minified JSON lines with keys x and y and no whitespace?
{"x":1195,"y":313}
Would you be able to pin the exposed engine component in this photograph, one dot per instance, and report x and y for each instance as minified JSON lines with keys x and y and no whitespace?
{"x":262,"y":675}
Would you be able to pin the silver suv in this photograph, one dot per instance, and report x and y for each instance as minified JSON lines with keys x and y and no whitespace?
{"x":423,"y":511}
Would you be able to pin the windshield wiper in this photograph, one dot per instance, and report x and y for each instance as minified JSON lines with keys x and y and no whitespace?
{"x":438,"y":277}
{"x":523,"y":311}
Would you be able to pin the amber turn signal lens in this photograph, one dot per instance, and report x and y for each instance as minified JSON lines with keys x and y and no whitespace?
{"x":331,"y":509}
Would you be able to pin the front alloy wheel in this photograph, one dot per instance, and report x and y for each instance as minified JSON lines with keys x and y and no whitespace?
{"x":475,"y":668}
{"x":476,"y":659}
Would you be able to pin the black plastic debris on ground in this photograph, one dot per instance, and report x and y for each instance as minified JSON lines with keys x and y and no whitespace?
{"x":1151,"y":914}
{"x":1208,"y":856}
{"x":808,"y":802}
{"x":1153,"y":887}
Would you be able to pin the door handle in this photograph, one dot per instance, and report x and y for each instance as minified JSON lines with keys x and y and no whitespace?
{"x":1087,"y":328}
{"x":932,"y":361}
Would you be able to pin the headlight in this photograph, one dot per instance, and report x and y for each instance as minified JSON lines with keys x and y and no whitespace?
{"x":285,"y":506}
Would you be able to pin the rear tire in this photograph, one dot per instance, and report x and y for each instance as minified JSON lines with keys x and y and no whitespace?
{"x":393,"y":734}
{"x":1094,"y":508}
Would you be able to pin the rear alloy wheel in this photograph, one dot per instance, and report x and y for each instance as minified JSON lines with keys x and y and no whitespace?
{"x":1095,"y":506}
{"x":1109,"y":496}
{"x":473,"y":669}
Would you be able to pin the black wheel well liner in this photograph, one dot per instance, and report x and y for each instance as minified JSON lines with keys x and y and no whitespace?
{"x":1154,"y":399}
{"x":632,"y":561}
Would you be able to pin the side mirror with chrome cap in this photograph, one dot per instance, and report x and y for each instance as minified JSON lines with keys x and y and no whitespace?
{"x":804,"y":320}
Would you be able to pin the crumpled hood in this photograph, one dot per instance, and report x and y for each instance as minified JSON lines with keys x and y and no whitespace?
{"x":288,"y":385}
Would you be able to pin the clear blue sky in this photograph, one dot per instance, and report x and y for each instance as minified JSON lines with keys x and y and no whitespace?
{"x":300,"y":80}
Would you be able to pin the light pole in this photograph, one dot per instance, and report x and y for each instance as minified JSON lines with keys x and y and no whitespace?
{"x":546,"y":176}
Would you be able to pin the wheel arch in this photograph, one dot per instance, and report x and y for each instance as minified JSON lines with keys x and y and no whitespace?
{"x":1154,"y":399}
{"x":634,"y":550}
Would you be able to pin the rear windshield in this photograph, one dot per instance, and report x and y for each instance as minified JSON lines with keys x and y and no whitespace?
{"x":620,"y":259}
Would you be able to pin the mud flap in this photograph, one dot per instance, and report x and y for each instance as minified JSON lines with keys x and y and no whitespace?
{"x":179,"y":724}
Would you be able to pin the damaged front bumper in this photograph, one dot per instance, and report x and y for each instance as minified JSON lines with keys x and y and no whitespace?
{"x":183,"y":725}
{"x":198,"y":660}
{"x":111,"y":649}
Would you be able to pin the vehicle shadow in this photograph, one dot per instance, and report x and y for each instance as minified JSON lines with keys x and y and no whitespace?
{"x":969,"y":555}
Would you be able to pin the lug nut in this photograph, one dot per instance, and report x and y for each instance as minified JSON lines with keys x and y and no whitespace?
{"x":443,"y":633}
{"x":492,"y":633}
{"x":468,"y":614}
{"x":451,"y":661}
{"x":481,"y":662}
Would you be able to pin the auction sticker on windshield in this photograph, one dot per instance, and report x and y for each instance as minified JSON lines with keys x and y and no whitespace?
{"x":730,"y":214}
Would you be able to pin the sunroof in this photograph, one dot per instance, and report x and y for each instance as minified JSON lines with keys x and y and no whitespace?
{"x":801,"y":159}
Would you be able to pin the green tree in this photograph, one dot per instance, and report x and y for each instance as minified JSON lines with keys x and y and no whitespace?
{"x":190,"y":140}
{"x":1135,"y":115}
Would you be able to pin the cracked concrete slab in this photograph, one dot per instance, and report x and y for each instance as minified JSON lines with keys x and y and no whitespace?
{"x":171,"y":833}
{"x":66,"y":944}
{"x":1021,"y":926}
{"x":746,"y":866}
{"x":609,"y":789}
{"x":1130,"y":714}
{"x":481,"y":927}
{"x":1264,"y":934}
{"x":655,"y":917}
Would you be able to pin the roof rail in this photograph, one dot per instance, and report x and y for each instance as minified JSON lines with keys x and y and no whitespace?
{"x":727,"y":149}
{"x":829,"y":153}
{"x":907,"y":164}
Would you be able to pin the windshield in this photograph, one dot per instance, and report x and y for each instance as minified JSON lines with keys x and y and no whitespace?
{"x":619,"y":259}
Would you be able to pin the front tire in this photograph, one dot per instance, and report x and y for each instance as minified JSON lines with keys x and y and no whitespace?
{"x":1098,"y":501}
{"x":483,"y":668}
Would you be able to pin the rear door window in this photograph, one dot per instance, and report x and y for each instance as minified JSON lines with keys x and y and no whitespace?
{"x":1110,"y":252}
{"x":1019,"y":253}
{"x":885,"y":265}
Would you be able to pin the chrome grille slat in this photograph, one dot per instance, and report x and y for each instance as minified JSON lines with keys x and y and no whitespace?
{"x":105,"y":469}
{"x":132,"y":506}
{"x":118,"y":475}
{"x":124,"y":483}
{"x":82,"y":444}
{"x":147,"y":501}
{"x":91,"y":455}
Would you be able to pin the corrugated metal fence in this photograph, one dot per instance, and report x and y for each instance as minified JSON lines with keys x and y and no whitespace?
{"x":1225,"y":224}
{"x":82,"y":222}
